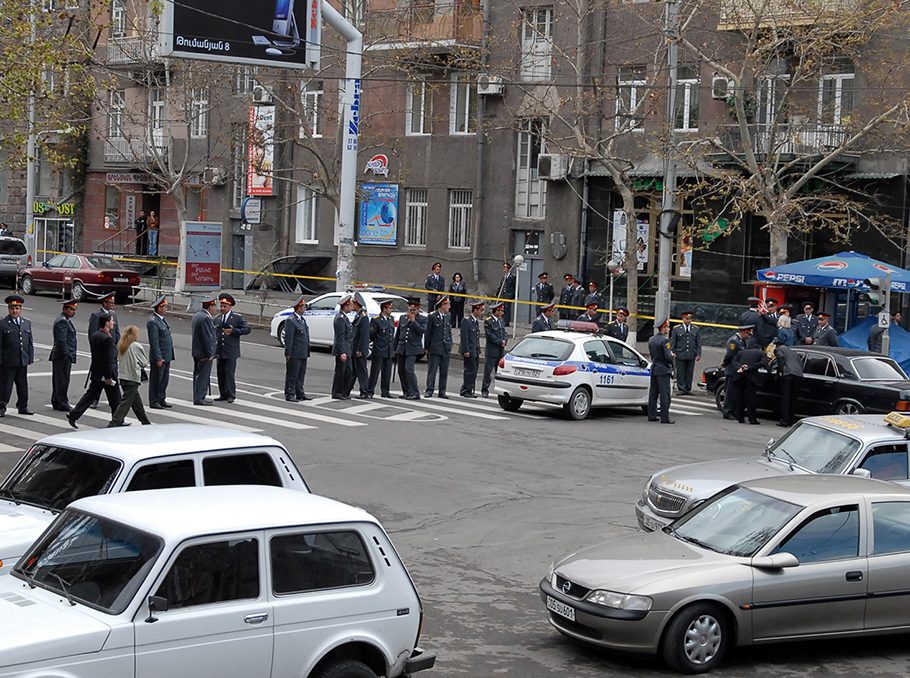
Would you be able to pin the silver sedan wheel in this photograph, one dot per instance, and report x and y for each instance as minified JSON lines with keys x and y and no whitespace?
{"x":703,"y":639}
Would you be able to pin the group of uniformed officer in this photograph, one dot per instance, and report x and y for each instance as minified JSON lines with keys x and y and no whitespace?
{"x":214,"y":336}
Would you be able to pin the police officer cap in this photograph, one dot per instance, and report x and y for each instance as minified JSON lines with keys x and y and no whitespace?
{"x":498,"y":304}
{"x":622,"y":309}
{"x":227,"y":299}
{"x":477,"y":304}
{"x":568,"y":276}
{"x":358,"y":297}
{"x":413,"y":302}
{"x":543,"y":275}
{"x":549,"y":307}
{"x":662,"y":323}
{"x":108,"y":296}
{"x":209,"y":301}
{"x":687,"y":314}
{"x":300,"y":302}
{"x":754,"y":300}
{"x":593,"y":283}
{"x":771,"y":300}
{"x":507,"y":264}
{"x":71,"y":303}
{"x":824,"y":315}
{"x":160,"y":301}
{"x":387,"y":302}
{"x":442,"y":300}
{"x":746,"y":328}
{"x":345,"y":299}
{"x":808,"y":304}
{"x":593,"y":304}
{"x":14,"y":300}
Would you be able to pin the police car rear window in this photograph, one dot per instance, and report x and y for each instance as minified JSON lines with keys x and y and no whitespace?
{"x":543,"y":348}
{"x":14,"y":247}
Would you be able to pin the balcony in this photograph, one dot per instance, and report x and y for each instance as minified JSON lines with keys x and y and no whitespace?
{"x":742,"y":14}
{"x":440,"y":26}
{"x":126,"y":151}
{"x":132,"y":49}
{"x":786,"y":142}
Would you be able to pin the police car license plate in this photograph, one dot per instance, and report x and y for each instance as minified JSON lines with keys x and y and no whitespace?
{"x":524,"y":372}
{"x":121,"y":279}
{"x":650,"y":524}
{"x":561,"y":609}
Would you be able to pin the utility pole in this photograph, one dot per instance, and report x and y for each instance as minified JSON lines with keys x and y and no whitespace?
{"x":886,"y":335}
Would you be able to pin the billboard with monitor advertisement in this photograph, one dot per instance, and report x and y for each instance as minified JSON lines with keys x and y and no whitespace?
{"x":378,"y":214}
{"x":282,"y":33}
{"x":203,"y":255}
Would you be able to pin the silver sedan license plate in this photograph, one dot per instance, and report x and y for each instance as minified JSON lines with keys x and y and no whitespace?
{"x":524,"y":372}
{"x":651,"y":524}
{"x":561,"y":609}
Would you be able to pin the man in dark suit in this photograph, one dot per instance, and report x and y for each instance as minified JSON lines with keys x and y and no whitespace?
{"x":382,"y":334}
{"x":469,"y":348}
{"x":205,"y":345}
{"x":229,"y":327}
{"x":342,"y":349}
{"x":619,"y":328}
{"x":685,"y":345}
{"x":409,"y":346}
{"x":495,"y":332}
{"x":63,"y":357}
{"x":825,"y":335}
{"x":434,"y":284}
{"x":296,"y":353}
{"x":806,"y":324}
{"x":543,"y":290}
{"x":438,"y":345}
{"x":544,"y":321}
{"x":734,"y":390}
{"x":768,"y":323}
{"x":102,"y":373}
{"x":161,"y":355}
{"x":506,"y":291}
{"x":361,"y":347}
{"x":661,"y":373}
{"x":566,"y":296}
{"x":747,"y":363}
{"x":17,"y":352}
{"x":108,"y":302}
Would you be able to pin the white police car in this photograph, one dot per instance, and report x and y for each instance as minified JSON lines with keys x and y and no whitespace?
{"x":577,"y":367}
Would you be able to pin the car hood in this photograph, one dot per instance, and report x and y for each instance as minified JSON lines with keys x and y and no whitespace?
{"x":704,"y":479}
{"x":628,"y":563}
{"x":37,"y":625}
{"x":20,"y":525}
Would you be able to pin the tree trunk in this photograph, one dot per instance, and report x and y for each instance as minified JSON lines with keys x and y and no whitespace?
{"x":779,"y":234}
{"x":631,"y":263}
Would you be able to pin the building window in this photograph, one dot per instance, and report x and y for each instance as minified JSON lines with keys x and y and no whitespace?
{"x":415,"y":234}
{"x":530,"y":192}
{"x":419,"y":108}
{"x":630,"y":93}
{"x":836,"y":93}
{"x":199,"y":112}
{"x":687,"y":91}
{"x":112,"y":206}
{"x":353,"y":11}
{"x":156,"y":118}
{"x":463,"y":114}
{"x":239,"y":170}
{"x":536,"y":43}
{"x":771,"y":92}
{"x":115,"y":114}
{"x":306,"y":216}
{"x":311,"y":98}
{"x":247,"y":79}
{"x":461,"y":209}
{"x":118,"y":19}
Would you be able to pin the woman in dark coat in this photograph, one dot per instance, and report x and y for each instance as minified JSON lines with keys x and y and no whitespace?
{"x":457,"y":310}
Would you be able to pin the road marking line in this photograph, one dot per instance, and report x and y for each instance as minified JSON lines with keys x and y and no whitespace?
{"x":190,"y":418}
{"x":10,"y":448}
{"x":50,"y":421}
{"x":239,"y":414}
{"x":32,"y":375}
{"x":414,"y":415}
{"x":452,"y":410}
{"x":301,"y":413}
{"x":366,"y":407}
{"x":676,"y":410}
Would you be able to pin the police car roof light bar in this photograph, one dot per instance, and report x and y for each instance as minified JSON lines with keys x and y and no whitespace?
{"x":577,"y":326}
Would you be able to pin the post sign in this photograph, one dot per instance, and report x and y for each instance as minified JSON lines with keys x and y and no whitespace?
{"x":261,"y":151}
{"x":203,"y":255}
{"x":378,"y":214}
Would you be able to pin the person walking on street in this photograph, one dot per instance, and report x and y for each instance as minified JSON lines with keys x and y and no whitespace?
{"x":790,"y":371}
{"x":457,"y":292}
{"x":543,"y":289}
{"x":161,"y":355}
{"x":152,"y":223}
{"x":749,"y":361}
{"x":108,"y":302}
{"x":382,"y":334}
{"x":734,"y":395}
{"x":565,"y":298}
{"x":661,"y":373}
{"x":131,"y":362}
{"x":229,"y":327}
{"x":63,"y":357}
{"x":544,"y":321}
{"x":685,"y":344}
{"x":619,"y":328}
{"x":806,"y":324}
{"x":438,"y":345}
{"x":342,"y":348}
{"x":469,"y":348}
{"x":506,"y":292}
{"x":296,"y":353}
{"x":825,"y":335}
{"x":102,"y":372}
{"x":17,"y":352}
{"x":496,"y":336}
{"x":205,"y":346}
{"x":409,"y":346}
{"x":360,"y":347}
{"x":434,"y":284}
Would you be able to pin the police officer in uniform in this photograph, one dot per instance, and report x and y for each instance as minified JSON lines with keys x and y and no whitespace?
{"x":825,"y":335}
{"x":579,"y":296}
{"x":661,"y":373}
{"x":296,"y":353}
{"x":495,"y":332}
{"x":507,"y":291}
{"x":590,"y":315}
{"x":806,"y":324}
{"x":17,"y":352}
{"x":593,"y":297}
{"x":438,"y":345}
{"x":566,"y":296}
{"x":749,"y":361}
{"x":409,"y":346}
{"x":469,"y":348}
{"x":382,"y":334}
{"x":63,"y":356}
{"x":229,"y":327}
{"x":769,"y":323}
{"x":543,"y":289}
{"x":361,"y":347}
{"x":685,"y":344}
{"x":752,"y":317}
{"x":434,"y":284}
{"x":544,"y":321}
{"x":619,"y":328}
{"x":734,"y":394}
{"x":161,"y":354}
{"x":342,"y":349}
{"x":205,"y":346}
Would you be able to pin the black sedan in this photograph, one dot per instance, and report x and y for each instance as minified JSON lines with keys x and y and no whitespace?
{"x":836,"y":381}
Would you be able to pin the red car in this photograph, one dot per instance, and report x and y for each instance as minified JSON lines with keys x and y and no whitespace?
{"x":83,"y":275}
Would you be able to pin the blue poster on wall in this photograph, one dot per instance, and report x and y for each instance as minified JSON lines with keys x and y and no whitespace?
{"x":378,"y":214}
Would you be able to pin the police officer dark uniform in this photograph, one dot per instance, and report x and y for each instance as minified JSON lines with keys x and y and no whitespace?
{"x":544,"y":289}
{"x":361,"y":347}
{"x":102,"y":371}
{"x":566,"y":296}
{"x":161,"y":355}
{"x":296,"y":353}
{"x":661,"y":373}
{"x":825,"y":335}
{"x":593,"y":296}
{"x":752,"y":317}
{"x":342,"y":349}
{"x":590,"y":315}
{"x":806,"y":324}
{"x":734,"y":395}
{"x":434,"y":284}
{"x":229,"y":327}
{"x":17,"y":352}
{"x":438,"y":345}
{"x":409,"y":346}
{"x":619,"y":328}
{"x":63,"y":356}
{"x":205,"y":346}
{"x":544,"y":321}
{"x":749,"y":361}
{"x":495,"y":332}
{"x":768,"y":323}
{"x":382,"y":334}
{"x":579,"y":296}
{"x":469,"y":348}
{"x":507,"y":291}
{"x":685,"y":344}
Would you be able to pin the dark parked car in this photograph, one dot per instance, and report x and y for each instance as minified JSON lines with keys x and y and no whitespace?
{"x":82,"y":275}
{"x":837,"y":381}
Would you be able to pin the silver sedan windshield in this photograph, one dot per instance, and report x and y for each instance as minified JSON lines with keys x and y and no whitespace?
{"x":816,"y":449}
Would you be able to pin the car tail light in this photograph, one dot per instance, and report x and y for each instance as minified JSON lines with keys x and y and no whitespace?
{"x":564,"y":369}
{"x":704,"y":379}
{"x":29,"y":260}
{"x":502,"y":362}
{"x":903,"y":406}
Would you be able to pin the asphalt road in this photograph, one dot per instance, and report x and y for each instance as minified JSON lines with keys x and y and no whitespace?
{"x":478,"y":501}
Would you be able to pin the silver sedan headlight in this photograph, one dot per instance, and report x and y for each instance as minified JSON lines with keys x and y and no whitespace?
{"x":620,"y":601}
{"x":647,"y":490}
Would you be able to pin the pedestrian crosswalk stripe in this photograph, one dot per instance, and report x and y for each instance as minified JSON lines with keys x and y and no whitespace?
{"x":301,"y":413}
{"x":366,"y":407}
{"x":413,"y":415}
{"x":9,"y":448}
{"x":191,"y":419}
{"x":50,"y":421}
{"x":235,"y":413}
{"x":449,"y":409}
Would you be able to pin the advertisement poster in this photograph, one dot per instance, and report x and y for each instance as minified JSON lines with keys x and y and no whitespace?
{"x":619,"y":240}
{"x":261,"y":157}
{"x":378,"y":214}
{"x":643,"y":243}
{"x":685,"y":256}
{"x":203,"y":255}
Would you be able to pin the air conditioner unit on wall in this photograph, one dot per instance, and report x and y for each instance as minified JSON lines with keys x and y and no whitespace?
{"x":720,"y":88}
{"x":215,"y":176}
{"x":261,"y":95}
{"x":490,"y":84}
{"x":552,"y":166}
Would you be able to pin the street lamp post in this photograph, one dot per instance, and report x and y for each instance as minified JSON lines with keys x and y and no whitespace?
{"x":612,"y":265}
{"x":517,"y":261}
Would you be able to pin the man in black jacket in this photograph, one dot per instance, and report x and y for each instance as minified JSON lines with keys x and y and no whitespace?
{"x":342,"y":349}
{"x":205,"y":346}
{"x":361,"y":347}
{"x":619,"y":328}
{"x":102,"y":372}
{"x":438,"y":345}
{"x":543,"y":289}
{"x":63,"y":356}
{"x":108,"y":302}
{"x":229,"y":327}
{"x":296,"y":353}
{"x":434,"y":284}
{"x":544,"y":322}
{"x":747,"y":364}
{"x":791,"y":374}
{"x":17,"y":352}
{"x":506,"y":291}
{"x":409,"y":346}
{"x":470,"y":349}
{"x":661,"y":373}
{"x":566,"y":296}
{"x":382,"y":334}
{"x":495,"y":333}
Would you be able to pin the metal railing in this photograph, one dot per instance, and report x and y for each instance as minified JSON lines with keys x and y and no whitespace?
{"x":457,"y":21}
{"x":122,"y":242}
{"x":131,"y":49}
{"x":741,"y":13}
{"x":132,"y":150}
{"x":783,"y":139}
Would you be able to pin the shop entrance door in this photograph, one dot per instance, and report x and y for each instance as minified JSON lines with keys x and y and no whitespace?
{"x":52,"y":236}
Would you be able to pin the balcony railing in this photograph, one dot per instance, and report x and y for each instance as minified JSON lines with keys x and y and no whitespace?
{"x":132,"y":49}
{"x":123,"y":150}
{"x":786,"y":140}
{"x":740,"y":14}
{"x":453,"y":23}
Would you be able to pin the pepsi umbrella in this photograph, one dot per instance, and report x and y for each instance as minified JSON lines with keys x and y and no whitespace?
{"x":844,"y":271}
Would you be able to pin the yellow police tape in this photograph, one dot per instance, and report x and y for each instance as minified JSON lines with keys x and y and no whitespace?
{"x":165,"y":262}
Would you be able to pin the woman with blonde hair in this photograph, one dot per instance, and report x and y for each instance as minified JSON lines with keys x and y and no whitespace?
{"x":132,"y":361}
